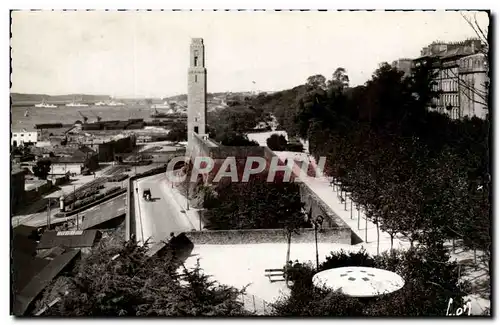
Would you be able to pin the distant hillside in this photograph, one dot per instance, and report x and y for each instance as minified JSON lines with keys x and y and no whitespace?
{"x":225,"y":95}
{"x":28,"y":98}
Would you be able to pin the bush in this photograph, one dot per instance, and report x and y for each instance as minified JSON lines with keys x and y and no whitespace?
{"x":430,"y":281}
{"x":177,"y":133}
{"x":295,"y":146}
{"x":277,"y":142}
{"x":236,"y":139}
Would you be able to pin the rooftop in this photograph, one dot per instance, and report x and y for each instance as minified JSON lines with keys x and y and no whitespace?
{"x":16,"y":169}
{"x":22,"y":130}
{"x":70,"y":239}
{"x":25,"y":297}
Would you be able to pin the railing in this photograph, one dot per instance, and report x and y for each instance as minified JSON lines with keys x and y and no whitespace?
{"x":255,"y":304}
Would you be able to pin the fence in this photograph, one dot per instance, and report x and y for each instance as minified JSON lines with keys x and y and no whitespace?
{"x":255,"y":304}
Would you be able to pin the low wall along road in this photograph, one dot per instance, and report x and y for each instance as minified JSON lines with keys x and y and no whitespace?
{"x":261,"y":236}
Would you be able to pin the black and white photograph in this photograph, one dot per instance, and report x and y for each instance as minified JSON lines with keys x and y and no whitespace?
{"x":250,"y":163}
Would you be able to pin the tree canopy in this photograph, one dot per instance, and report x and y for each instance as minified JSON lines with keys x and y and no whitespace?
{"x":124,"y":281}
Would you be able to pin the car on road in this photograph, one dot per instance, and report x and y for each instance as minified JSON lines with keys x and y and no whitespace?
{"x":146,"y":194}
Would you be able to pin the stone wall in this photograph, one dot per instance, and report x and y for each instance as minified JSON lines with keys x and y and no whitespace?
{"x":16,"y":189}
{"x":260,"y":236}
{"x":37,"y":191}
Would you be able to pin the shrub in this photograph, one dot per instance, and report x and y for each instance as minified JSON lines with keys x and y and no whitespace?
{"x":295,"y":146}
{"x":277,"y":142}
{"x":430,"y":281}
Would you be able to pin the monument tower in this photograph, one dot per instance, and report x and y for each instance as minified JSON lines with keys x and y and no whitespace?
{"x":197,"y":90}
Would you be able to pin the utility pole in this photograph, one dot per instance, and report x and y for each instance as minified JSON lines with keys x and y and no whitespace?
{"x":74,"y":197}
{"x":366,"y":228}
{"x":317,"y":223}
{"x":316,"y":241}
{"x":48,"y":214}
{"x":187,"y":196}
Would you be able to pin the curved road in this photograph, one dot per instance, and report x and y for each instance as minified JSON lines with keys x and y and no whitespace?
{"x":160,"y":216}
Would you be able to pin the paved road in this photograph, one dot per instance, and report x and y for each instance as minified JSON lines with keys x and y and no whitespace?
{"x":104,"y":212}
{"x":162,"y":215}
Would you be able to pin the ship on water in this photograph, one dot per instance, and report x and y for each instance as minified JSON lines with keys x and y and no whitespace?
{"x":44,"y":104}
{"x":100,"y":104}
{"x":76,"y":104}
{"x":113,"y":103}
{"x":165,"y":104}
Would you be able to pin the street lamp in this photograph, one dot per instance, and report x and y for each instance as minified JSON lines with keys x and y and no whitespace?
{"x":187,"y":196}
{"x":318,"y":222}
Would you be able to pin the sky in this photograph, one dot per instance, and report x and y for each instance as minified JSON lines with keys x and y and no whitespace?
{"x":146,"y":54}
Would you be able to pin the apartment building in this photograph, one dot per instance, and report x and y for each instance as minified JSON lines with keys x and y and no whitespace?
{"x":461,"y":70}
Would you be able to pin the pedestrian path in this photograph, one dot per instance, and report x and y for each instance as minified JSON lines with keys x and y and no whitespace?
{"x":344,"y":208}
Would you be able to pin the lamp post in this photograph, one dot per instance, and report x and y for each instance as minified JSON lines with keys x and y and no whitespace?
{"x":187,"y":196}
{"x":48,"y":214}
{"x":317,"y":223}
{"x":74,"y":197}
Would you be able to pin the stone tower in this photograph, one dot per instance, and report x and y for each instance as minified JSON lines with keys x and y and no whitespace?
{"x":197,"y":89}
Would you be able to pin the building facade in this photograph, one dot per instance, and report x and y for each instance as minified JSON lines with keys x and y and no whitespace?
{"x":197,"y":89}
{"x":19,"y":138}
{"x":80,"y":160}
{"x":474,"y":81}
{"x":404,"y":65}
{"x":461,"y":77}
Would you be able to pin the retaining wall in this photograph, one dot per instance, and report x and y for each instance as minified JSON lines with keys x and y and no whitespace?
{"x":260,"y":236}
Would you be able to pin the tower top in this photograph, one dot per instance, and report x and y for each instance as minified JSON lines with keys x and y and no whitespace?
{"x":197,"y":41}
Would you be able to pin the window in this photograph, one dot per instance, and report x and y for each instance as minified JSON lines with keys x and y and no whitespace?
{"x":195,"y":78}
{"x":196,"y":54}
{"x":196,"y":129}
{"x":15,"y":135}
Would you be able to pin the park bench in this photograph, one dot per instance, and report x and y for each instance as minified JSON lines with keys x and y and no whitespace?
{"x":275,"y":275}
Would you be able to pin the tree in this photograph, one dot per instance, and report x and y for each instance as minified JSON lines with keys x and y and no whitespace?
{"x":277,"y":142}
{"x":177,"y":133}
{"x":340,"y":79}
{"x":42,"y":168}
{"x":316,"y":82}
{"x":235,"y":139}
{"x":134,"y":284}
{"x":257,"y":204}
